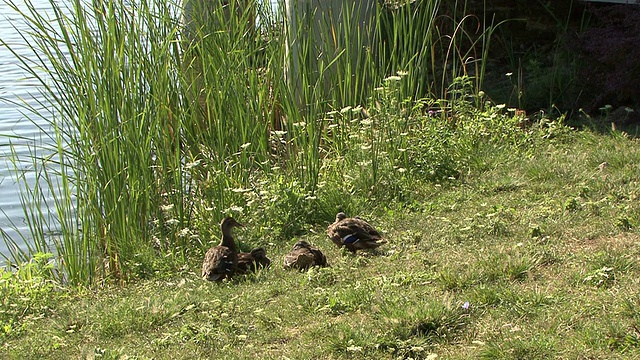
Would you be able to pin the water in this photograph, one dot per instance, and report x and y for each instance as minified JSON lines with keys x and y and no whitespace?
{"x":15,"y":124}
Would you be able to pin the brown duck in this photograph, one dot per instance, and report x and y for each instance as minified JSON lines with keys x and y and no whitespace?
{"x":252,"y":261}
{"x":354,"y":233}
{"x":221,"y":261}
{"x":303,"y":256}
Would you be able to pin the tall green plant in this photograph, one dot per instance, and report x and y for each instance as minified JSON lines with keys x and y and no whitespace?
{"x":409,"y":36}
{"x":110,"y":75}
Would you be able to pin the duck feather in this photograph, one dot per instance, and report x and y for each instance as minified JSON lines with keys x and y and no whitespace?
{"x":354,"y":233}
{"x":303,"y":256}
{"x":252,"y":261}
{"x":221,"y":261}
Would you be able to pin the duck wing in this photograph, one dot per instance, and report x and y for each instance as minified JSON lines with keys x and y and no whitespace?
{"x":219,"y":262}
{"x":303,"y":256}
{"x":249,"y":262}
{"x":246,"y":263}
{"x":352,"y":229}
{"x":318,"y":257}
{"x":298,"y":259}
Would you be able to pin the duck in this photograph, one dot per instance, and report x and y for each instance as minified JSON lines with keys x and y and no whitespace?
{"x":252,"y":261}
{"x":303,"y":256}
{"x":221,"y":262}
{"x":354,"y":233}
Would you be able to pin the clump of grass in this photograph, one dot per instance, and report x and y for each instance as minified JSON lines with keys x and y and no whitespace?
{"x":27,"y":292}
{"x":429,"y":322}
{"x":538,"y":347}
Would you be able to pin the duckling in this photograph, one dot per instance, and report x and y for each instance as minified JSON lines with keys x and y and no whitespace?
{"x":251,"y":261}
{"x":303,"y":256}
{"x":221,"y":261}
{"x":354,"y":233}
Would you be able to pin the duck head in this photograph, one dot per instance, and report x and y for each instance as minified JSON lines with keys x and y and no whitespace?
{"x":258,"y":252}
{"x":260,"y":257}
{"x":340,"y":216}
{"x":229,"y":223}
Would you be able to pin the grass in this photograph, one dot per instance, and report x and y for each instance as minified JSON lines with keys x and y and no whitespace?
{"x":542,"y":280}
{"x":507,"y":238}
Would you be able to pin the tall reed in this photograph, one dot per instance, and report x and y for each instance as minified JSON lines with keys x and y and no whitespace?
{"x":111,"y":79}
{"x":409,"y":38}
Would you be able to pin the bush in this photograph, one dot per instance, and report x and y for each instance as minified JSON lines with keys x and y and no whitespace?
{"x":26,"y":293}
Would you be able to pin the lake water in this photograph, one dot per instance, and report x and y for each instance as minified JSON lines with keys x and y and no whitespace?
{"x":15,"y":125}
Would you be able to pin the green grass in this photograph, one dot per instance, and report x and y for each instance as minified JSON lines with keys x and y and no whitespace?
{"x":157,"y":138}
{"x":542,"y":280}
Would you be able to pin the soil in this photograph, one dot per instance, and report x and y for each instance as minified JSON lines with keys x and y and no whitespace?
{"x":563,"y":54}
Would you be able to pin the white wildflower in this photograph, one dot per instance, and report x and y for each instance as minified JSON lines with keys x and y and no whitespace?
{"x":345,"y":109}
{"x":183,"y":232}
{"x":172,"y":222}
{"x":392,"y":78}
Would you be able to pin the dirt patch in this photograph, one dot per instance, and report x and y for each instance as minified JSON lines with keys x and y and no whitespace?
{"x":619,"y":242}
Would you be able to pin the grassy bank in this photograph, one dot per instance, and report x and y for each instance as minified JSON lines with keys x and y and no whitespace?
{"x":509,"y":236}
{"x":543,"y":247}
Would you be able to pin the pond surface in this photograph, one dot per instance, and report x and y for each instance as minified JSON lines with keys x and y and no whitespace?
{"x":17,"y":127}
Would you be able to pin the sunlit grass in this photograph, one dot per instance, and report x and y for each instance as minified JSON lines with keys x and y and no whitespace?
{"x":504,"y":241}
{"x":447,"y":283}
